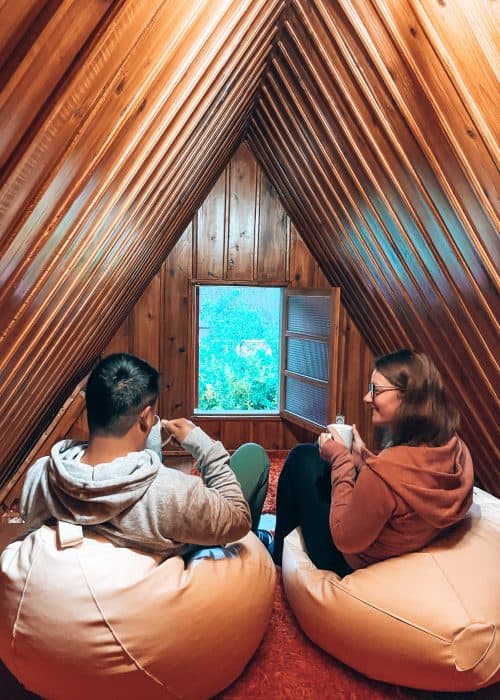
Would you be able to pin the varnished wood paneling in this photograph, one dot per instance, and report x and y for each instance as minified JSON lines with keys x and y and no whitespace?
{"x":145,"y":324}
{"x":272,"y":433}
{"x":460,"y":32}
{"x":210,"y":229}
{"x":202,"y":248}
{"x":302,"y":264}
{"x":293,"y":193}
{"x":175,"y":330}
{"x":241,"y":211}
{"x":212,"y":426}
{"x":355,"y":366}
{"x":371,"y":129}
{"x":236,"y":432}
{"x":163,"y":317}
{"x":97,"y":195}
{"x":50,"y":52}
{"x":375,"y":121}
{"x":16,"y":18}
{"x":120,"y":342}
{"x":273,"y":234}
{"x":61,"y":426}
{"x":22,"y":183}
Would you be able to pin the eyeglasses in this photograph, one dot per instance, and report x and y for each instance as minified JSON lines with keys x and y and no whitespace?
{"x":376,"y":389}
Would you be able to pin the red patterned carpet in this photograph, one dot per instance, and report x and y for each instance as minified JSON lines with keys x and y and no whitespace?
{"x":289,"y":666}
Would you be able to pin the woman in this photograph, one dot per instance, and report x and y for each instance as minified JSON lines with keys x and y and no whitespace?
{"x":359,"y":508}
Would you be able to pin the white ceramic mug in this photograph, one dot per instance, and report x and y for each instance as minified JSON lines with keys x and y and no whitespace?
{"x":345,"y":432}
{"x":154,"y":440}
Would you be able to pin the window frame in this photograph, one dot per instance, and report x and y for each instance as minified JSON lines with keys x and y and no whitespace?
{"x":227,"y":415}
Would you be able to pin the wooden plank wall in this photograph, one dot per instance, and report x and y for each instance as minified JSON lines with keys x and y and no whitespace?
{"x":377,"y":122}
{"x":160,"y":327}
{"x":242,"y":206}
{"x":116,"y":118}
{"x":240,"y":234}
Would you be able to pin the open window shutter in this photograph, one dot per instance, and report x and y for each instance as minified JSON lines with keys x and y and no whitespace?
{"x":310,"y":328}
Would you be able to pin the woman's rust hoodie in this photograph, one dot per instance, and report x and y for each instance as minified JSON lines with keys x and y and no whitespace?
{"x":401,"y":499}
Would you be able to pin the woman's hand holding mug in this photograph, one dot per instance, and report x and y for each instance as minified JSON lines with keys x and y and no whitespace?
{"x":357,"y":443}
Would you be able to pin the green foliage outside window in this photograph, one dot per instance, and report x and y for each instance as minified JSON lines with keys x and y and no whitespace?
{"x":239,"y":348}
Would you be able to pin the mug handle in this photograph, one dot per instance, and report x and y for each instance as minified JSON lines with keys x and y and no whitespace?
{"x":165,"y":442}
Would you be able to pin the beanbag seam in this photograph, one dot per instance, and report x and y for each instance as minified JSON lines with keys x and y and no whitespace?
{"x":388,"y":613}
{"x":115,"y":634}
{"x":21,"y":600}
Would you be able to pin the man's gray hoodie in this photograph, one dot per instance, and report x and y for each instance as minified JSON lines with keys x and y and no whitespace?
{"x":135,"y":501}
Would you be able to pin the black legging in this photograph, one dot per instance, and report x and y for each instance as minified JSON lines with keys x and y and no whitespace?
{"x":303,"y":498}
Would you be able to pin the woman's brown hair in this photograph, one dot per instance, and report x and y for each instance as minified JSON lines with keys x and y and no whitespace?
{"x":427,"y":416}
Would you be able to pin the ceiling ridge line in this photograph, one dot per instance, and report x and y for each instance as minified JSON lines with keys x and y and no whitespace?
{"x":280,"y":23}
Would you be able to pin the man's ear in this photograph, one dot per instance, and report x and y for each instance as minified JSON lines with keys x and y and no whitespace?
{"x":145,"y":419}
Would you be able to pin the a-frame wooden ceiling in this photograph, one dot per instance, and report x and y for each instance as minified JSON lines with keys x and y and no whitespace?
{"x":376,"y":120}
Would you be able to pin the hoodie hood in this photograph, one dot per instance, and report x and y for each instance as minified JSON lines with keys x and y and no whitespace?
{"x":87,"y":495}
{"x":436,"y":482}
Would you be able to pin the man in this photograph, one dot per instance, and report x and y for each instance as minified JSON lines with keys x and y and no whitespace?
{"x":117,"y":488}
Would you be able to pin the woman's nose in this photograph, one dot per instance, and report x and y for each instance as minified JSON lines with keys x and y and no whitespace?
{"x":367,"y":398}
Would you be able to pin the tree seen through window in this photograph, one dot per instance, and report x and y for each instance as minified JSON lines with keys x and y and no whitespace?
{"x":239,"y":348}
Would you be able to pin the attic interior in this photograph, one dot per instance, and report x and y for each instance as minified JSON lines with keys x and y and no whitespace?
{"x":372,"y":124}
{"x":149,"y":146}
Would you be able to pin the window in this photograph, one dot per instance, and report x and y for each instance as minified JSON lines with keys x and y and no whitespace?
{"x":238,"y":349}
{"x":244,"y":332}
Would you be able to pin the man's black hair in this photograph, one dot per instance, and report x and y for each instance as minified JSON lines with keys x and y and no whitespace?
{"x":118,"y":389}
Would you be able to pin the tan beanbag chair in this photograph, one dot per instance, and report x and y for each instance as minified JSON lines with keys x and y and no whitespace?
{"x":94,"y":620}
{"x":428,"y":620}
